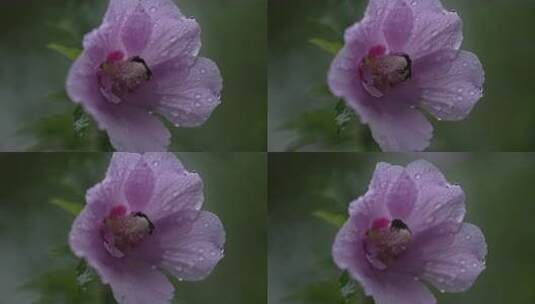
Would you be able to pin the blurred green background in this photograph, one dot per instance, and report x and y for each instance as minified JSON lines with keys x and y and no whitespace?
{"x":301,"y":110}
{"x":499,"y":199}
{"x":37,"y":115}
{"x":37,"y":266}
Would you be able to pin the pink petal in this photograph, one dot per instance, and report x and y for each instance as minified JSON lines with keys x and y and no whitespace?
{"x":400,"y":289}
{"x":425,"y":173}
{"x":398,"y":25}
{"x":402,"y":130}
{"x":173,"y":38}
{"x":451,"y":83}
{"x":118,"y":10}
{"x":189,"y":94}
{"x":437,"y":205}
{"x":348,"y":254}
{"x":453,"y":264}
{"x":135,"y":282}
{"x":175,"y":192}
{"x":135,"y":130}
{"x":377,"y":7}
{"x":139,"y":186}
{"x":401,"y":197}
{"x":136,"y":31}
{"x":435,"y":30}
{"x":192,"y":251}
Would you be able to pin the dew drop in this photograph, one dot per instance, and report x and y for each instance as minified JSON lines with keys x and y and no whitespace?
{"x":418,"y":176}
{"x":203,"y":71}
{"x":413,"y":3}
{"x":155,"y":163}
{"x":430,"y":220}
{"x":173,"y":39}
{"x":468,"y":237}
{"x":197,"y":104}
{"x":152,"y":9}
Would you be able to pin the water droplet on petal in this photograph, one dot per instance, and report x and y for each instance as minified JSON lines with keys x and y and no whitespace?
{"x":468,"y":237}
{"x":152,"y":9}
{"x":418,"y":176}
{"x":155,"y":163}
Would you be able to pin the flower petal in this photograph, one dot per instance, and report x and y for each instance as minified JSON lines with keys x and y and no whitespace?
{"x":425,"y":173}
{"x":348,"y":254}
{"x":377,"y":7}
{"x":401,"y":197}
{"x":118,"y":10}
{"x":175,"y":192}
{"x":135,"y":282}
{"x":402,"y":131}
{"x":435,"y":30}
{"x":136,"y":31}
{"x":135,"y":130}
{"x":173,"y":38}
{"x":398,"y":25}
{"x":139,"y":186}
{"x":189,"y":94}
{"x":437,"y":205}
{"x":454,"y":264}
{"x":451,"y":82}
{"x":191,"y":251}
{"x":401,"y":289}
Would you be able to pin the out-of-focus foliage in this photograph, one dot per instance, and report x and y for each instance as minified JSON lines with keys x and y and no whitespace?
{"x":303,"y":35}
{"x":39,"y":40}
{"x":309,"y":194}
{"x":42,"y":192}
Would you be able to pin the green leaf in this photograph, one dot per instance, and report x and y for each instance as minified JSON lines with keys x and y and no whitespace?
{"x":84,"y":274}
{"x":81,"y":122}
{"x":349,"y":289}
{"x":69,"y":207}
{"x":344,"y":116}
{"x":69,"y":52}
{"x":336,"y":220}
{"x":328,"y":46}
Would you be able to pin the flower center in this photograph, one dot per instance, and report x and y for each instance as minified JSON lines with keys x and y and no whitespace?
{"x":118,"y":76}
{"x":385,"y":241}
{"x":379,"y":71}
{"x":123,"y":232}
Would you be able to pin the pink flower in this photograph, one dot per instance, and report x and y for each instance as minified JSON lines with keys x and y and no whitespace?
{"x":404,"y":56}
{"x":144,"y":218}
{"x":143,"y":60}
{"x":406,"y":230}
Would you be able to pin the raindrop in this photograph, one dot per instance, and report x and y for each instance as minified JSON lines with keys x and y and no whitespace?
{"x":417,"y":176}
{"x":152,"y":9}
{"x":155,"y":163}
{"x":173,"y":39}
{"x":430,"y":220}
{"x":197,"y":104}
{"x":468,"y":237}
{"x":203,"y":71}
{"x":413,"y":3}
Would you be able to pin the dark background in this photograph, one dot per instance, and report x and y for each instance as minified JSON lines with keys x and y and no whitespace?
{"x":37,"y":266}
{"x":499,"y":199}
{"x":37,"y":115}
{"x":498,"y":31}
